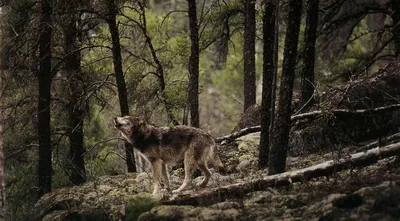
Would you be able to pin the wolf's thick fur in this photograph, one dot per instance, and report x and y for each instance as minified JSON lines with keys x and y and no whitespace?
{"x":165,"y":145}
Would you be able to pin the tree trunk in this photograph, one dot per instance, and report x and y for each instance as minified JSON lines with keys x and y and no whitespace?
{"x":160,"y":69}
{"x":2,"y":88}
{"x":269,"y":29}
{"x":275,"y":76}
{"x":249,"y":51}
{"x":396,"y":26}
{"x":44,"y":77}
{"x":75,"y":106}
{"x":194,"y":66}
{"x":119,"y":75}
{"x":2,"y":183}
{"x":307,"y":75}
{"x":280,"y":131}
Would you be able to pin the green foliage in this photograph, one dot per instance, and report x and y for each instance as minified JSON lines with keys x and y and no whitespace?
{"x":138,"y":205}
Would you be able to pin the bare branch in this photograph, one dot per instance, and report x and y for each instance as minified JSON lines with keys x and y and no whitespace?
{"x":312,"y":114}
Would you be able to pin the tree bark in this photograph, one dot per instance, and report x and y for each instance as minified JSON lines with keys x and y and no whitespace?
{"x":307,"y":75}
{"x":2,"y":183}
{"x":119,"y":76}
{"x":249,"y":51}
{"x":280,"y":131}
{"x":76,"y":104}
{"x":396,"y":26}
{"x":194,"y":66}
{"x":44,"y":77}
{"x":327,"y":168}
{"x":269,"y":29}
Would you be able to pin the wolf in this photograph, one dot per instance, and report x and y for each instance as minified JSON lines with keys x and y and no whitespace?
{"x":165,"y":145}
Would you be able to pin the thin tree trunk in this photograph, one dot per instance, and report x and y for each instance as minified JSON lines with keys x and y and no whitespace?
{"x":307,"y":75}
{"x":275,"y":76}
{"x":194,"y":66}
{"x":2,"y":88}
{"x":2,"y":183}
{"x":280,"y":130}
{"x":396,"y":26}
{"x":269,"y":29}
{"x":160,"y":69}
{"x":119,"y":75}
{"x":249,"y":51}
{"x":44,"y":77}
{"x":75,"y":106}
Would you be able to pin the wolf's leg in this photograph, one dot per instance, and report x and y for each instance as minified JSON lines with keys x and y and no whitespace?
{"x":157,"y":176}
{"x":190,"y":166}
{"x":207,"y":174}
{"x":165,"y":176}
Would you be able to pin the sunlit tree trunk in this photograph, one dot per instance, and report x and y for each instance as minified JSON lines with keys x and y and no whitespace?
{"x":194,"y":66}
{"x":76,"y":105}
{"x":44,"y":77}
{"x":269,"y":68}
{"x":119,"y":75}
{"x":249,"y":51}
{"x":307,"y":75}
{"x":281,"y":127}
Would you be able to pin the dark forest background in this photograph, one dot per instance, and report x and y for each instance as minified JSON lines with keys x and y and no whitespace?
{"x":68,"y":67}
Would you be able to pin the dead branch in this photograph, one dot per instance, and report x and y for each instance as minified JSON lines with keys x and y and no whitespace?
{"x":243,"y":132}
{"x":361,"y":159}
{"x":313,"y":114}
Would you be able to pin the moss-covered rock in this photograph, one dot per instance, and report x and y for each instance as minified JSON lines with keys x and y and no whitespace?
{"x":103,"y":199}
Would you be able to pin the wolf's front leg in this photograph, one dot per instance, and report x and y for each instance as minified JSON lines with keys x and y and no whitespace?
{"x":165,"y":176}
{"x":157,"y":170}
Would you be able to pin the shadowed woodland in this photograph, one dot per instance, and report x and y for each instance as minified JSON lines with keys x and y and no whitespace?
{"x":301,"y":96}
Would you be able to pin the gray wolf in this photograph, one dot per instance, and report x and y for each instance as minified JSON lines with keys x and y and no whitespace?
{"x":165,"y":145}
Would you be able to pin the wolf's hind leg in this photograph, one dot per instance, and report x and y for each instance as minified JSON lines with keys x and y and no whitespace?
{"x":207,"y":174}
{"x":165,"y":176}
{"x":190,"y":166}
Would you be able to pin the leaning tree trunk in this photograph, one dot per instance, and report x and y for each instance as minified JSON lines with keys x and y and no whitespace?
{"x":249,"y":51}
{"x":269,"y":29}
{"x":44,"y":77}
{"x":396,"y":26}
{"x":281,"y":127}
{"x":307,"y":75}
{"x":160,"y":70}
{"x":75,"y":106}
{"x":119,"y":75}
{"x":194,"y":66}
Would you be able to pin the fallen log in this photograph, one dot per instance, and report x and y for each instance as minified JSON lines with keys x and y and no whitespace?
{"x":313,"y":114}
{"x":211,"y":196}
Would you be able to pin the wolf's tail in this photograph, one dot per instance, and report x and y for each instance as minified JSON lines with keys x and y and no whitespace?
{"x":218,"y":165}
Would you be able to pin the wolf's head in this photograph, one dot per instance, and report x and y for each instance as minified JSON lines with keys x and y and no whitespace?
{"x":128,"y":125}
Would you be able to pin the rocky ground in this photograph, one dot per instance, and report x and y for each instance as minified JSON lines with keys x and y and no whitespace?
{"x":371,"y":193}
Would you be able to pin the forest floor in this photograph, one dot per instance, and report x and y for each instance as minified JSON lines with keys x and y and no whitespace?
{"x":368,"y":193}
